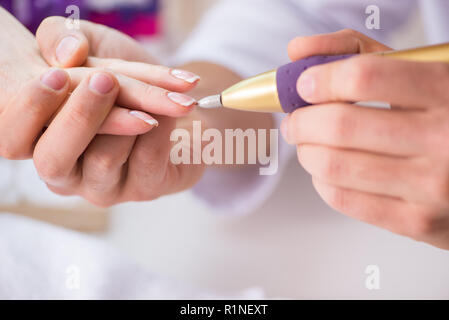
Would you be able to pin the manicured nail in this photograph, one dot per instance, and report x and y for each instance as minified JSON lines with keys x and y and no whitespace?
{"x":65,"y":49}
{"x":145,"y":117}
{"x":307,"y":86}
{"x":284,"y":127}
{"x":181,"y":99}
{"x":185,"y":75}
{"x":102,"y":83}
{"x":55,"y":79}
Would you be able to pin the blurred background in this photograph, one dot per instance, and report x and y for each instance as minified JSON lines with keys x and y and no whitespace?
{"x":294,"y":246}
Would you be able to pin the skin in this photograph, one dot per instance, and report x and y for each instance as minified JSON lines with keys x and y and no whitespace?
{"x":385,"y":167}
{"x":116,"y":169}
{"x":33,"y":96}
{"x":389,"y":168}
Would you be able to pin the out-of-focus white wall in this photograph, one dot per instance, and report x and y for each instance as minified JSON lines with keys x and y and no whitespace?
{"x":180,"y":17}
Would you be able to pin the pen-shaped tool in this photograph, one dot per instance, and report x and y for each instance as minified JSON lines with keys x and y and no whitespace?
{"x":275,"y":91}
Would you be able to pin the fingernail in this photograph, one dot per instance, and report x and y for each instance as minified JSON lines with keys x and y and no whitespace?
{"x":181,"y":99}
{"x":306,"y":86}
{"x":185,"y":75}
{"x":145,"y":117}
{"x":102,"y":83}
{"x":55,"y":79}
{"x":66,"y":47}
{"x":284,"y":128}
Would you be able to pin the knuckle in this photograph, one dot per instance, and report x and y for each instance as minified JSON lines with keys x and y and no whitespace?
{"x":338,"y":199}
{"x":152,"y":187}
{"x":48,"y":169}
{"x":441,"y":72}
{"x":438,"y":188}
{"x":101,"y":163}
{"x":433,"y":132}
{"x":361,"y":74}
{"x":148,"y":93}
{"x":81,"y":117}
{"x":101,"y":202}
{"x":60,"y":191}
{"x":423,"y":224}
{"x":149,"y":90}
{"x":13,"y":151}
{"x":332,"y":168}
{"x":145,"y":194}
{"x":343,"y":125}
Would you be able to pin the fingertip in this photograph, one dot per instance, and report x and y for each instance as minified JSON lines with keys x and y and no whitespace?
{"x":186,"y":76}
{"x":103,"y":82}
{"x":125,"y":122}
{"x":292,"y":48}
{"x":184,"y":80}
{"x":55,"y":79}
{"x":182,"y":99}
{"x":307,"y":86}
{"x":146,"y":118}
{"x":60,"y":46}
{"x":71,"y":51}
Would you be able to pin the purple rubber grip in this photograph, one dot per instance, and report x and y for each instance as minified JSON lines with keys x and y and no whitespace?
{"x":287,"y":76}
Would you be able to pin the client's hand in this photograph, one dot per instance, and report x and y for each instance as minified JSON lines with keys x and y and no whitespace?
{"x":108,"y":169}
{"x":389,"y":168}
{"x":31,"y":94}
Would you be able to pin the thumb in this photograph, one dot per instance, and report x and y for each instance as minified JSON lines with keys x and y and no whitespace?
{"x":341,"y":42}
{"x":61,"y":46}
{"x":68,"y":48}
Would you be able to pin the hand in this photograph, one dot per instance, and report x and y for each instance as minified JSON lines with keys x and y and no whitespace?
{"x":389,"y":168}
{"x":107,"y":169}
{"x":31,"y":93}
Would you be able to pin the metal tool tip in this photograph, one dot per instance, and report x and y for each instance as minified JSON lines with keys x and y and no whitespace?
{"x":210,"y":102}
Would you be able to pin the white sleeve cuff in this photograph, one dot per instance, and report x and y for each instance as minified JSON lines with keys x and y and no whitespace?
{"x":237,"y":192}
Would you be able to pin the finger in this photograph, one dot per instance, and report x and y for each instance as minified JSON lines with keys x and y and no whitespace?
{"x":62,"y":46}
{"x":151,"y":173}
{"x":93,"y":39}
{"x":24,"y":118}
{"x":389,"y":213}
{"x":137,"y":95}
{"x":104,"y":168}
{"x":124,"y":122}
{"x":157,"y":75}
{"x":341,"y":42}
{"x":369,"y":78}
{"x":149,"y":162}
{"x":353,"y":127}
{"x":372,"y":173}
{"x":58,"y":150}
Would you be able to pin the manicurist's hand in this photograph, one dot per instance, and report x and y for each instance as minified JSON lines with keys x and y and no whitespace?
{"x":32,"y":93}
{"x":389,"y":168}
{"x":109,"y":169}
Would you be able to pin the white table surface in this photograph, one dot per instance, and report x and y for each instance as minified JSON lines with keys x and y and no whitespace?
{"x":294,"y":247}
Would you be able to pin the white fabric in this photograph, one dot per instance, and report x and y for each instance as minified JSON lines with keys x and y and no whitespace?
{"x":251,"y":36}
{"x":39,"y":261}
{"x":19,"y":181}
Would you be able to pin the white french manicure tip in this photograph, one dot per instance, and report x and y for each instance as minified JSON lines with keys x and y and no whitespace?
{"x":181,"y":99}
{"x":185,"y":75}
{"x":152,"y":122}
{"x":145,"y":118}
{"x":193,"y":79}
